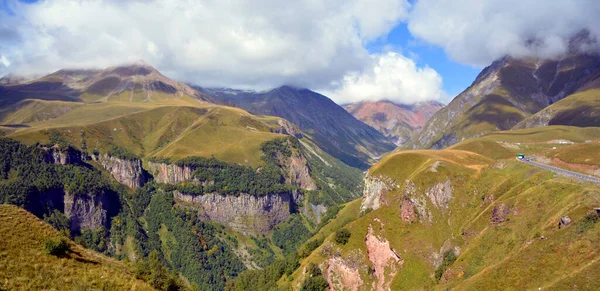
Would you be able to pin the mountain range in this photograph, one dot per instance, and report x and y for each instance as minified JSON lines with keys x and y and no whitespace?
{"x":510,"y":91}
{"x":219,"y":188}
{"x":328,"y":124}
{"x":397,"y":122}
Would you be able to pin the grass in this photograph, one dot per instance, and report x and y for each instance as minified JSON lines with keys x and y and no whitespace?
{"x":546,"y":133}
{"x":511,"y":252}
{"x":25,"y":265}
{"x":486,"y":148}
{"x":586,"y":153}
{"x":579,"y":109}
{"x":32,"y":110}
{"x":171,"y":128}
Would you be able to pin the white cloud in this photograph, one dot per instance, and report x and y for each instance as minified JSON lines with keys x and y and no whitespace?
{"x":393,"y":77}
{"x":239,"y":43}
{"x":4,"y":61}
{"x":478,"y":32}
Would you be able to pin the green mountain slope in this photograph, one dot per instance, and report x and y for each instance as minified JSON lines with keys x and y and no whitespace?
{"x":468,"y":218}
{"x":508,"y":92}
{"x":332,"y":128}
{"x":579,"y":109}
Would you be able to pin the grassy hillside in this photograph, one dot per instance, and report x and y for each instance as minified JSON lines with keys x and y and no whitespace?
{"x":579,"y":109}
{"x":587,"y":153}
{"x":173,"y":129}
{"x":32,"y":110}
{"x":547,"y":134}
{"x":517,"y":92}
{"x":25,"y":265}
{"x":457,"y":219}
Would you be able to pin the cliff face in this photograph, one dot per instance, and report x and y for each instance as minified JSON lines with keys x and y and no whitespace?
{"x":374,"y":192}
{"x":126,"y":172}
{"x":170,"y":173}
{"x":64,"y":157}
{"x":297,"y":172}
{"x":245,"y":213}
{"x":87,"y":210}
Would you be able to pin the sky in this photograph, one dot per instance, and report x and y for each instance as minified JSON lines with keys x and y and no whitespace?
{"x":349,"y":50}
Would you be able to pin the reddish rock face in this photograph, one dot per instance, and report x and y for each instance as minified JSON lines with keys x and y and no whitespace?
{"x":407,"y":211}
{"x":382,"y":257}
{"x":342,"y":276}
{"x":397,"y":122}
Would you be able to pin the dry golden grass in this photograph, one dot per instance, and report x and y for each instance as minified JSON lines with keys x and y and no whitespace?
{"x":24,"y":265}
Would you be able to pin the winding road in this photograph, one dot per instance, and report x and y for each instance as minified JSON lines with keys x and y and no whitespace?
{"x":561,"y":171}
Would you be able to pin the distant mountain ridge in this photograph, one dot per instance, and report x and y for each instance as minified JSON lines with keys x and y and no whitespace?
{"x":396,"y":121}
{"x":135,"y":83}
{"x":332,"y":128}
{"x":506,"y":93}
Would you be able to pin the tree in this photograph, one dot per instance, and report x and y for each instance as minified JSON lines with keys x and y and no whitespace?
{"x":318,"y":283}
{"x":342,"y":236}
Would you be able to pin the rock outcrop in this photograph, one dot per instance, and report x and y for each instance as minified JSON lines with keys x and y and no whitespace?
{"x":288,"y":128}
{"x":407,"y":211}
{"x":90,"y":210}
{"x":342,"y":276}
{"x":440,"y":195}
{"x":374,"y":192}
{"x":564,"y":221}
{"x":63,"y":157}
{"x":126,"y":172}
{"x":500,"y":213}
{"x":244,"y":213}
{"x":298,"y":172}
{"x":383,"y":258}
{"x":170,"y":173}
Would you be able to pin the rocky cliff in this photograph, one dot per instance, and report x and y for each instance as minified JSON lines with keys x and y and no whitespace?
{"x":297,"y":172}
{"x":126,"y":172}
{"x":244,"y":213}
{"x":90,"y":210}
{"x":170,"y":173}
{"x":374,"y":192}
{"x":56,"y":155}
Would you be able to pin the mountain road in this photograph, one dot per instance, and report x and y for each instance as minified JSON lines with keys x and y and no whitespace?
{"x":561,"y":171}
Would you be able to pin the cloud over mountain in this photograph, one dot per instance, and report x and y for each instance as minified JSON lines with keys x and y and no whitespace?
{"x":252,"y":44}
{"x":478,"y":32}
{"x":391,"y":76}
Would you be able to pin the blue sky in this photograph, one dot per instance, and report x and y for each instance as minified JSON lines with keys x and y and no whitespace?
{"x":406,"y":51}
{"x":456,"y":77}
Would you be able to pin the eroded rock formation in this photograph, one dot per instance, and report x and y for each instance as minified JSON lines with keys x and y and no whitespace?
{"x":244,"y":213}
{"x":383,"y":258}
{"x":170,"y":173}
{"x":374,"y":192}
{"x":126,"y":172}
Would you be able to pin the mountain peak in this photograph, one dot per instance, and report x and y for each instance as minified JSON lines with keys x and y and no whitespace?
{"x":139,"y":68}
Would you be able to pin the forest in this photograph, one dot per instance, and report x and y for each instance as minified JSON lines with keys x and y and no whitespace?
{"x":167,"y":239}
